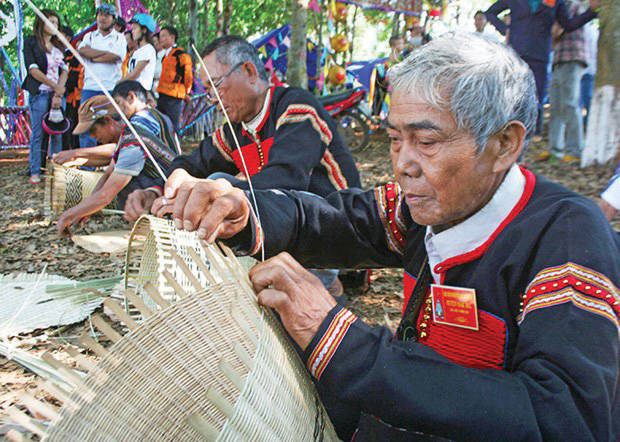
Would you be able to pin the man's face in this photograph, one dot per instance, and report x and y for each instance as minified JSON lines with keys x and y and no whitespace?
{"x":136,"y":31}
{"x":105,"y":133}
{"x":235,"y":92}
{"x":166,"y":39}
{"x":436,"y":163}
{"x":480,"y":21}
{"x":127,"y":105}
{"x":398,"y":44}
{"x":104,"y":21}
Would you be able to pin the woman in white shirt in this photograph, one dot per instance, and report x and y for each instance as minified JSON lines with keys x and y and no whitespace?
{"x":141,"y":65}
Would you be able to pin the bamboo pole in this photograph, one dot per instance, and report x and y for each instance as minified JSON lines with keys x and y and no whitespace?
{"x":138,"y":303}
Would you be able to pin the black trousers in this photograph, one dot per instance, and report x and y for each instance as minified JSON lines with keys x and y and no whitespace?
{"x":172,"y":107}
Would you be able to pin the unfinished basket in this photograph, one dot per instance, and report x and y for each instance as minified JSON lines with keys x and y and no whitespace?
{"x":66,"y":187}
{"x":160,"y":254}
{"x":213,"y":366}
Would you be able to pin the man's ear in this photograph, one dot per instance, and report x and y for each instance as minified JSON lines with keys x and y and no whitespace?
{"x":131,"y":96}
{"x":509,"y":145}
{"x":251,"y":71}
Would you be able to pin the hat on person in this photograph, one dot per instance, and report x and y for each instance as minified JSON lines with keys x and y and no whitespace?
{"x":55,"y":123}
{"x":106,"y":8}
{"x":144,"y":20}
{"x":92,"y":109}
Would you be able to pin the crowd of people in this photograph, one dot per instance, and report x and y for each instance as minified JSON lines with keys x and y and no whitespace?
{"x":114,"y":52}
{"x":511,"y":316}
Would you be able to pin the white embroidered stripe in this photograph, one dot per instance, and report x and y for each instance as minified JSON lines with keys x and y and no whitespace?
{"x":336,"y":331}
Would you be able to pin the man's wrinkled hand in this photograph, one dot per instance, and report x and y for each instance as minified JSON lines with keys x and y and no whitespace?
{"x":297,"y":295}
{"x":213,"y":208}
{"x":138,"y":203}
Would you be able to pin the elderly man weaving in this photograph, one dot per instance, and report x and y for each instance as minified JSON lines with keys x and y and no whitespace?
{"x":511,"y":318}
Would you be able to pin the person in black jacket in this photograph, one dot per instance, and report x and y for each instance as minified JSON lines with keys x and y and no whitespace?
{"x":47,"y":74}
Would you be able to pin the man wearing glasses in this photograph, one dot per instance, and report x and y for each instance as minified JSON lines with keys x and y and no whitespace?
{"x":287,"y":139}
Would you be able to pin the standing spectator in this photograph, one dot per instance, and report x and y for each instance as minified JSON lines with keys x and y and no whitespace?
{"x":397,"y":46}
{"x":131,"y":47}
{"x":587,"y":81}
{"x":103,"y":50}
{"x":565,"y":122}
{"x":47,"y":75}
{"x":480,"y":21}
{"x":142,"y":62}
{"x":73,"y":86}
{"x":160,"y":56}
{"x":176,"y":78}
{"x":530,"y":34}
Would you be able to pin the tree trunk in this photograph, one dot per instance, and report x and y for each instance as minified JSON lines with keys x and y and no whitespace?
{"x":395,"y":25}
{"x":193,"y":22}
{"x":296,"y":71}
{"x":603,"y":132}
{"x":227,"y":17}
{"x":219,"y":18}
{"x":172,"y":6}
{"x":205,"y":24}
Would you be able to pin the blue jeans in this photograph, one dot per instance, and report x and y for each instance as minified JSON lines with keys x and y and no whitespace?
{"x":565,"y":122}
{"x":39,"y":106}
{"x":85,"y":139}
{"x":587,"y":88}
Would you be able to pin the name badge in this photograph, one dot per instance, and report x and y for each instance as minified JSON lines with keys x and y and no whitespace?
{"x":455,"y":306}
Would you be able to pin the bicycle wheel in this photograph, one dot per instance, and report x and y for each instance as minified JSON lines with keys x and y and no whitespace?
{"x":354,"y":131}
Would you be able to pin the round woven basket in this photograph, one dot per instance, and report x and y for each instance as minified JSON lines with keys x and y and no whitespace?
{"x":66,"y":187}
{"x":212,"y":366}
{"x":156,"y":247}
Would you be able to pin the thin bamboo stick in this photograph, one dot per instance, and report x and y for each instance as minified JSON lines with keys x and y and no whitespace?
{"x":186,"y":270}
{"x":231,"y":374}
{"x":214,"y":261}
{"x":220,"y":402}
{"x":63,"y":369}
{"x":154,"y":293}
{"x":201,"y":265}
{"x":244,"y":356}
{"x":55,"y":390}
{"x":174,"y":284}
{"x":119,"y":311}
{"x":138,"y":303}
{"x":244,"y":327}
{"x":22,"y":418}
{"x":93,"y":345}
{"x":36,"y":406}
{"x":106,"y":328}
{"x":203,"y":427}
{"x":82,"y":360}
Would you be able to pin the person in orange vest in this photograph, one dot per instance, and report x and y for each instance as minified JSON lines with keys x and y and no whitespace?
{"x":176,"y":77}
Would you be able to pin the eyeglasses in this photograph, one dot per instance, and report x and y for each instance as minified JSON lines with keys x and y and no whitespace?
{"x":217,"y":84}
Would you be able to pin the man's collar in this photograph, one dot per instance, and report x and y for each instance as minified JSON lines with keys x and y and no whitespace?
{"x":253,"y":124}
{"x":478,"y":228}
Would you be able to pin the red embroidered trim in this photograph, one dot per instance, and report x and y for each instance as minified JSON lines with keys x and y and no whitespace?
{"x":530,"y":182}
{"x":310,"y":110}
{"x":334,"y":171}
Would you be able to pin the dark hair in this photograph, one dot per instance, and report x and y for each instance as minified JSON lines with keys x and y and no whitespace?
{"x":479,"y":12}
{"x":103,"y":120}
{"x":120,"y":21}
{"x":172,"y":31}
{"x":146,"y":35}
{"x":232,"y":49}
{"x":123,"y":88}
{"x":39,"y":25}
{"x":66,"y":29}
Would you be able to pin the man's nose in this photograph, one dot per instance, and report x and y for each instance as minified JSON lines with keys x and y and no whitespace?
{"x":407,"y":161}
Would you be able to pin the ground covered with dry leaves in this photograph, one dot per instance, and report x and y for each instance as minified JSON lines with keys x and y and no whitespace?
{"x":29,"y":243}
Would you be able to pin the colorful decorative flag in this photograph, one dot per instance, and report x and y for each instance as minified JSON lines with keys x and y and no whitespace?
{"x":286,"y":41}
{"x":314,"y":5}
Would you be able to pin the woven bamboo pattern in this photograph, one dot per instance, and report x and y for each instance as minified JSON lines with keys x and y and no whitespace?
{"x":66,"y":187}
{"x":212,"y":366}
{"x":150,"y":252}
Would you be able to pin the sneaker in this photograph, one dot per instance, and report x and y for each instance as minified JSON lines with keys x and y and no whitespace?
{"x":543,"y":156}
{"x":34,"y":179}
{"x":570,"y":159}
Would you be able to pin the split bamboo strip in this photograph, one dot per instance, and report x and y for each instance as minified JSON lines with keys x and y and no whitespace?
{"x":37,"y":406}
{"x":106,"y":328}
{"x":82,"y":360}
{"x":23,"y":419}
{"x":119,"y":311}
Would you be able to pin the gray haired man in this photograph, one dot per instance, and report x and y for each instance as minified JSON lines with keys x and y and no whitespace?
{"x":512,"y":311}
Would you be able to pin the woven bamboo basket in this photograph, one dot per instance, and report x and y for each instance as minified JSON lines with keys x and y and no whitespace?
{"x":160,"y":254}
{"x":212,"y":366}
{"x":66,"y":187}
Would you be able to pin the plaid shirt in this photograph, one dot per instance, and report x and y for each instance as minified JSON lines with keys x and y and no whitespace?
{"x":572,"y":45}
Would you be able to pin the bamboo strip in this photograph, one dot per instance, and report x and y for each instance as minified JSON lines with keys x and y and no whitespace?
{"x":174,"y":284}
{"x":65,"y":370}
{"x":106,"y":329}
{"x":186,"y":270}
{"x":36,"y":406}
{"x":138,"y":303}
{"x":231,"y":374}
{"x":119,"y":311}
{"x":82,"y":360}
{"x":220,"y":402}
{"x":201,"y":265}
{"x":244,"y":327}
{"x":23,"y":419}
{"x":154,"y":293}
{"x":16,"y":436}
{"x":203,"y":427}
{"x":214,"y":261}
{"x":55,"y":390}
{"x":244,"y":356}
{"x":93,"y":345}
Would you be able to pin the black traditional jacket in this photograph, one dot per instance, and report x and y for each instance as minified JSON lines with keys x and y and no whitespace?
{"x":544,"y":363}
